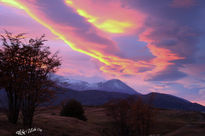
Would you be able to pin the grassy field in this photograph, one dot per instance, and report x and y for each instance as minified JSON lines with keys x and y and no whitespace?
{"x":167,"y":123}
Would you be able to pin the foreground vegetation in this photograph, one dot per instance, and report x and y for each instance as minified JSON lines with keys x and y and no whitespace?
{"x":25,"y":65}
{"x":168,"y":123}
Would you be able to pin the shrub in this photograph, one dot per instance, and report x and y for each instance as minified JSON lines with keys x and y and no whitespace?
{"x":74,"y":109}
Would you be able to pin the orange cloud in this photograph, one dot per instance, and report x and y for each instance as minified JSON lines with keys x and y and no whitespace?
{"x":163,"y":56}
{"x":113,"y":19}
{"x":109,"y":16}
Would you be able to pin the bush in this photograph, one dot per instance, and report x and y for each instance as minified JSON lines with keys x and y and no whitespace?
{"x":74,"y":109}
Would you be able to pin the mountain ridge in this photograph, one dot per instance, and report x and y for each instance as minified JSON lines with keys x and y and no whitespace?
{"x":158,"y":100}
{"x":102,"y":92}
{"x":113,"y":85}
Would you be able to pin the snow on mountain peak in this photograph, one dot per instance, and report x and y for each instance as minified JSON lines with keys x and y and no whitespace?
{"x":113,"y":85}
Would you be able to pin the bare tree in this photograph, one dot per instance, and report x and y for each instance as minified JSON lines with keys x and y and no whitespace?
{"x":140,"y":118}
{"x":28,"y":83}
{"x":10,"y":74}
{"x":39,"y":64}
{"x":131,"y":116}
{"x":119,"y":111}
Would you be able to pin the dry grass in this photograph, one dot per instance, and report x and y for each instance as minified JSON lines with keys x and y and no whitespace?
{"x":189,"y":130}
{"x":52,"y":125}
{"x":168,"y":123}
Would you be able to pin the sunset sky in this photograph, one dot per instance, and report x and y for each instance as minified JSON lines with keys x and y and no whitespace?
{"x":152,"y":45}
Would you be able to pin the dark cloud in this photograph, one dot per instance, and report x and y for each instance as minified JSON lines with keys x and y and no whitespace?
{"x":177,"y":29}
{"x":169,"y":74}
{"x":132,"y":49}
{"x":58,"y":12}
{"x":183,"y":41}
{"x":167,"y":42}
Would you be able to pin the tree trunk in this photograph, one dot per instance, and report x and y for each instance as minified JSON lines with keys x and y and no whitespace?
{"x":27,"y":121}
{"x":13,"y":115}
{"x":13,"y":109}
{"x":28,"y":112}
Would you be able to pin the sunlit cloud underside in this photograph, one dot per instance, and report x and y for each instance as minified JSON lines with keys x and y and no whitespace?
{"x":171,"y":38}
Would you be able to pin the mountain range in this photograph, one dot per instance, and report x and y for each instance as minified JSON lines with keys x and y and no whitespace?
{"x":114,"y":85}
{"x":102,"y":92}
{"x":94,"y":94}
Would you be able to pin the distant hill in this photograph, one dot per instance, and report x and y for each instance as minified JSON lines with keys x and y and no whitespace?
{"x":107,"y":92}
{"x":89,"y":97}
{"x":158,"y":100}
{"x":167,"y":101}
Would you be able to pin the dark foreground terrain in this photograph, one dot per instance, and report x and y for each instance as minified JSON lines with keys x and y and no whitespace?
{"x":167,"y":123}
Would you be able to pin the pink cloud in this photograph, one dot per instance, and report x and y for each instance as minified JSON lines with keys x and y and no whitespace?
{"x":89,"y":27}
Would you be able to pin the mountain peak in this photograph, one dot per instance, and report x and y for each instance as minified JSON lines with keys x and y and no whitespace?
{"x":113,"y":85}
{"x":114,"y":80}
{"x":116,"y":85}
